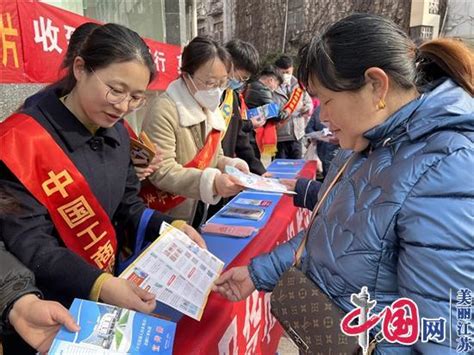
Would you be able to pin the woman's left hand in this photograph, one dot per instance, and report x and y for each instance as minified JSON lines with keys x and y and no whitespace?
{"x":38,"y":321}
{"x":143,"y":173}
{"x":194,"y":235}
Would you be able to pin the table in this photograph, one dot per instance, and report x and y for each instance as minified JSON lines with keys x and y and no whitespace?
{"x":246,"y":326}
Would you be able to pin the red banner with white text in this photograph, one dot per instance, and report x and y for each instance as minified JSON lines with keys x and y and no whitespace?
{"x":34,"y":37}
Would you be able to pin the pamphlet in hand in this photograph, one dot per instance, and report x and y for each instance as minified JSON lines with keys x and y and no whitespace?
{"x":108,"y":329}
{"x":177,"y":271}
{"x":257,"y":182}
{"x":271,"y":110}
{"x":142,"y":150}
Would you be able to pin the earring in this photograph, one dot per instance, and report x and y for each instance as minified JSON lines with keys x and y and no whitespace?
{"x":381,"y":105}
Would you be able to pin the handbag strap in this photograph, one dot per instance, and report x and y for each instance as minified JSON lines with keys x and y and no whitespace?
{"x":299,"y":251}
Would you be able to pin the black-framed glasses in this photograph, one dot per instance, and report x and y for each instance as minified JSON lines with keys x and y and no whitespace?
{"x":115,"y":97}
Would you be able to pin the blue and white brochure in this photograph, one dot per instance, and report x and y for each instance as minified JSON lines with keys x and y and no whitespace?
{"x":108,"y":329}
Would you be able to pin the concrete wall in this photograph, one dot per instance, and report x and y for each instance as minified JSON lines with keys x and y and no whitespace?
{"x":13,"y":95}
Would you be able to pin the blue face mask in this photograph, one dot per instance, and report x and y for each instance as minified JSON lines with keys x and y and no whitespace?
{"x":235,"y":84}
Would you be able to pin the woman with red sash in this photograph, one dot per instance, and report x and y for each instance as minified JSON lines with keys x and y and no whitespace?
{"x":187,"y":126}
{"x":66,"y":160}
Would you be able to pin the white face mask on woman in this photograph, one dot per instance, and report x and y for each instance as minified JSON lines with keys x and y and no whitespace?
{"x":210,"y":98}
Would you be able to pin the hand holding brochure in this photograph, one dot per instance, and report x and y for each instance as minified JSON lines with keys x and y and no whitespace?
{"x":257,"y":182}
{"x":177,"y":271}
{"x":142,"y":150}
{"x":271,"y":110}
{"x":108,"y":329}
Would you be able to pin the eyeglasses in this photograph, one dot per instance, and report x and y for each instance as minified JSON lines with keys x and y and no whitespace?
{"x":240,"y":78}
{"x":212,"y":84}
{"x":115,"y":97}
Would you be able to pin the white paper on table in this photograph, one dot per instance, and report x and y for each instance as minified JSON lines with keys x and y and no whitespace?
{"x":257,"y":182}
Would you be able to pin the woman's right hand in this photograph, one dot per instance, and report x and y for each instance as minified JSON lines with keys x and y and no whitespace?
{"x":234,"y":284}
{"x":124,"y":293}
{"x":226,"y":185}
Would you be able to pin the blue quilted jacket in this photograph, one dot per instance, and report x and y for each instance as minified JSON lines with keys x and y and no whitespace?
{"x":401,"y":218}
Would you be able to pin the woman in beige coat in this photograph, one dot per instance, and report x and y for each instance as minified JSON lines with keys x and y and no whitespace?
{"x":180,"y":122}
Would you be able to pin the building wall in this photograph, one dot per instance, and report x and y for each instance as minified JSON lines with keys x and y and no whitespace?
{"x":424,"y":20}
{"x":145,"y":17}
{"x":261,"y":22}
{"x":460,"y":20}
{"x":216,"y":18}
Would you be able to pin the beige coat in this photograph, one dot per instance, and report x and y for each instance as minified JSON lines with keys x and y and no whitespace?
{"x":178,"y":125}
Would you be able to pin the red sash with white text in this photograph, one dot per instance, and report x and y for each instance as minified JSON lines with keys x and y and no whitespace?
{"x":45,"y":170}
{"x":164,"y":201}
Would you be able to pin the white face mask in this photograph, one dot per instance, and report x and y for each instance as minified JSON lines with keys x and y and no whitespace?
{"x":287,"y":78}
{"x":209,"y":99}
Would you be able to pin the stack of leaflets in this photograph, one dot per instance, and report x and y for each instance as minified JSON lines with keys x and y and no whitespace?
{"x":142,"y":150}
{"x":108,"y":329}
{"x":257,"y":182}
{"x":271,"y":110}
{"x":177,"y":271}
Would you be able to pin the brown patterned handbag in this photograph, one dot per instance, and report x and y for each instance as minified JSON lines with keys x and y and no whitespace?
{"x":308,"y":315}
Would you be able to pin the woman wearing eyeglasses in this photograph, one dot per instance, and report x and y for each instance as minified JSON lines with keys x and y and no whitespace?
{"x":187,"y":126}
{"x":68,"y":165}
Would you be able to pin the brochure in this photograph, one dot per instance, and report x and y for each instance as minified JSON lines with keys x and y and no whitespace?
{"x":257,"y":182}
{"x":253,"y":202}
{"x":142,"y":150}
{"x":252,"y":213}
{"x":108,"y":329}
{"x":228,"y":230}
{"x":177,"y":271}
{"x":271,"y":110}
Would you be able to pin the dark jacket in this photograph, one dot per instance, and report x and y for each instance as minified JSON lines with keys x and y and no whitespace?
{"x":15,"y":281}
{"x":399,"y":220}
{"x":236,"y":142}
{"x":256,"y":95}
{"x":104,"y":161}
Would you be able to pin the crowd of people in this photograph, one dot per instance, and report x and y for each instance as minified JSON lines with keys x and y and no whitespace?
{"x":402,"y":117}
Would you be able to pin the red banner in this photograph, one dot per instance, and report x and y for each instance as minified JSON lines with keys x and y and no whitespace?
{"x":245,"y":327}
{"x":34,"y":38}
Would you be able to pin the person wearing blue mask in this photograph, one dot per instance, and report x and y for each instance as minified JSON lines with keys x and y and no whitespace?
{"x":236,"y":142}
{"x":187,"y":126}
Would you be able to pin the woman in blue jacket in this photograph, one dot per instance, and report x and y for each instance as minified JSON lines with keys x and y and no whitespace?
{"x":400,"y":218}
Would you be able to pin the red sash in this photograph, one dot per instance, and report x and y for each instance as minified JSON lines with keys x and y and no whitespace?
{"x":51,"y":177}
{"x":294,"y":100}
{"x":164,"y":201}
{"x":266,"y":136}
